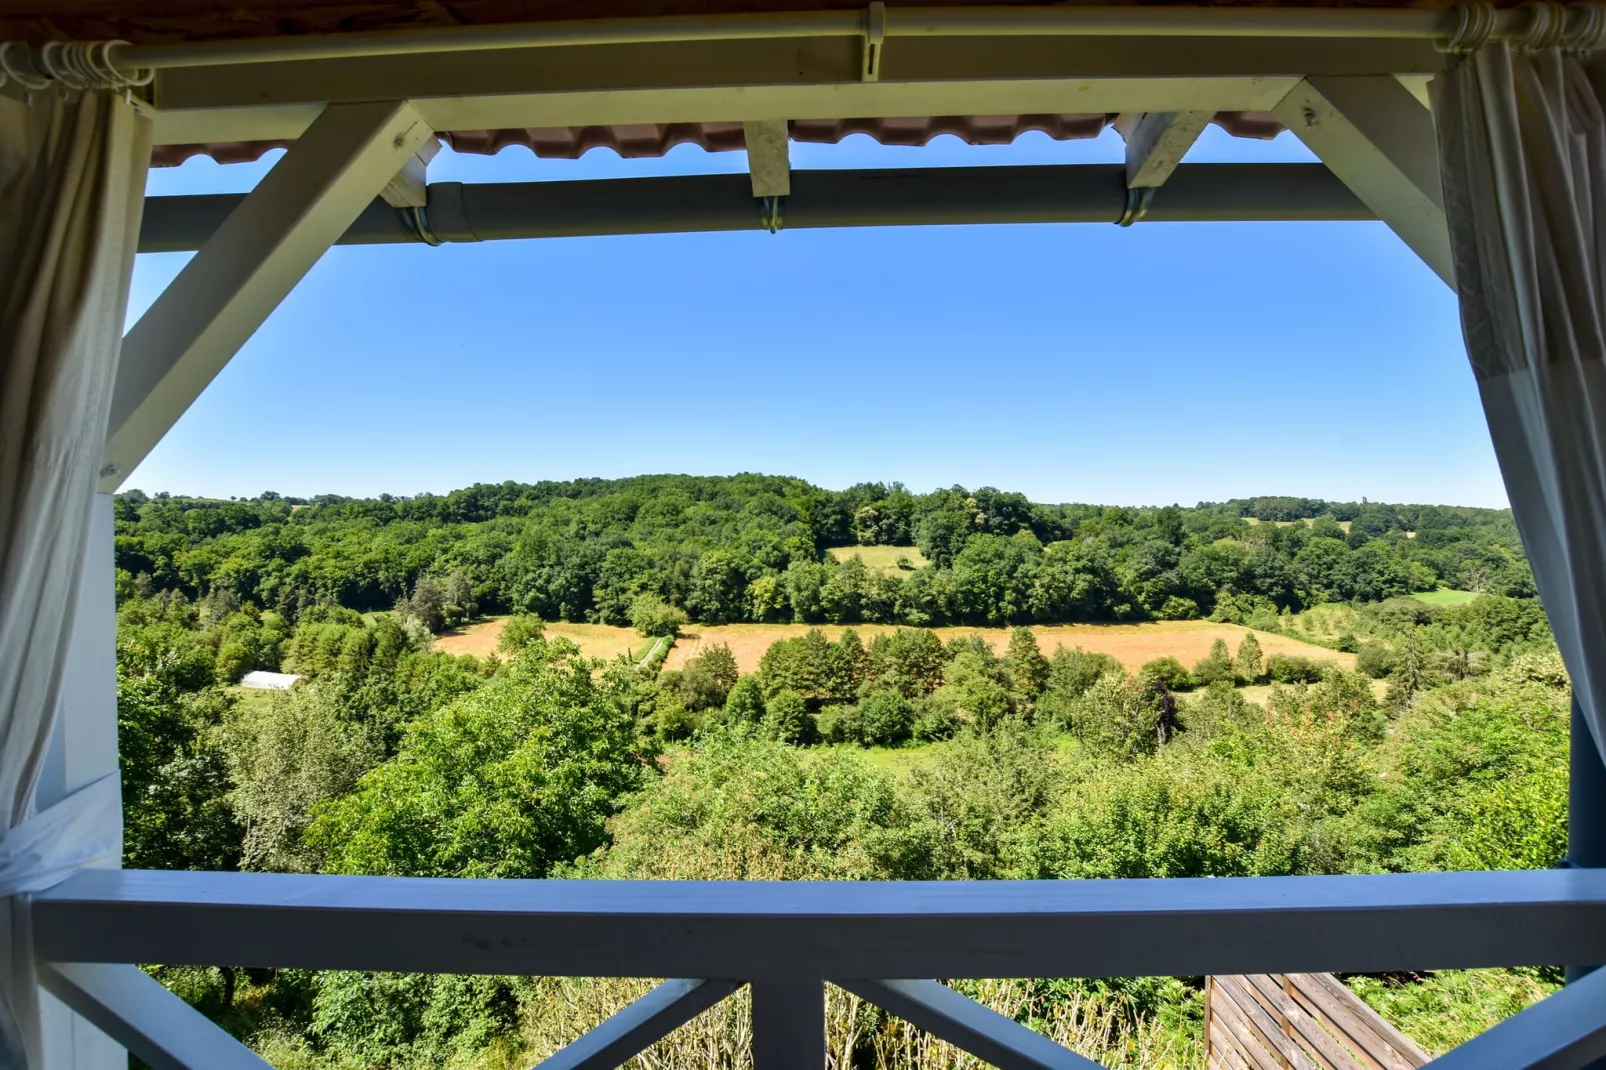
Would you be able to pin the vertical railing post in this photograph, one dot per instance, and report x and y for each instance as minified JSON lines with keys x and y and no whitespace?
{"x":82,"y":750}
{"x":789,"y":1025}
{"x":1586,"y":818}
{"x":1586,"y":809}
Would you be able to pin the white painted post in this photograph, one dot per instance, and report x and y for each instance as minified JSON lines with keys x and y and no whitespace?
{"x":84,"y":749}
{"x":788,"y":1025}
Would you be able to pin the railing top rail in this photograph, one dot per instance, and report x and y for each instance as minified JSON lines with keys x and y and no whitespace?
{"x":872,"y":929}
{"x":1369,"y":893}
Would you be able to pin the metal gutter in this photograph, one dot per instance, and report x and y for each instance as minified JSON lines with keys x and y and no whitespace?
{"x":1083,"y":193}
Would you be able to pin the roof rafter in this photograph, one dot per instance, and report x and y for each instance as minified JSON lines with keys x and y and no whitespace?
{"x":1378,"y":138}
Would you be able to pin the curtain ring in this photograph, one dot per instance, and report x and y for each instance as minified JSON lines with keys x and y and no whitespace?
{"x":84,"y":65}
{"x":1475,"y":21}
{"x":1547,"y":22}
{"x":1588,"y":29}
{"x":17,"y":65}
{"x":1138,"y":199}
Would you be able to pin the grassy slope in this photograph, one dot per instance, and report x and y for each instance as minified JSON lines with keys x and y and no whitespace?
{"x":880,"y":558}
{"x":1444,"y":597}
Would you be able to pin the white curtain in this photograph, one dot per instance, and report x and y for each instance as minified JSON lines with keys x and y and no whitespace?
{"x":1522,"y":146}
{"x":72,"y":180}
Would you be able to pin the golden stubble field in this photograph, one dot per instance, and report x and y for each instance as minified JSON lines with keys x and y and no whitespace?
{"x":1131,"y":644}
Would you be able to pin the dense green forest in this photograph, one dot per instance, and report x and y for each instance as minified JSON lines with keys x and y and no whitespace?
{"x":753,"y":548}
{"x":910,"y":754}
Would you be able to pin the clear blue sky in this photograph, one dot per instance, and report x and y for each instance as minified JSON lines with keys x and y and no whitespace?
{"x":1160,"y":363}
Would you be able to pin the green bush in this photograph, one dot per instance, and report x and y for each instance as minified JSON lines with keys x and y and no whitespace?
{"x":519,"y":629}
{"x":652,"y":616}
{"x":935,"y":719}
{"x":1116,"y":718}
{"x":1374,"y":659}
{"x":909,"y":659}
{"x":787,"y":720}
{"x":406,"y":1019}
{"x":1178,"y":608}
{"x":1292,"y":669}
{"x":1174,"y":815}
{"x":886,"y":718}
{"x":507,"y":781}
{"x":707,"y":679}
{"x":745,"y":703}
{"x":1072,"y":672}
{"x":1249,"y":663}
{"x":736,"y":807}
{"x":234,"y":660}
{"x":983,"y":798}
{"x":978,"y":688}
{"x":1167,"y":671}
{"x":1216,"y":708}
{"x":840,"y":724}
{"x":1215,"y":669}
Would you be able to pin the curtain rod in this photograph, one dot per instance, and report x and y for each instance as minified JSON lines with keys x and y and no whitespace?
{"x":1578,"y":25}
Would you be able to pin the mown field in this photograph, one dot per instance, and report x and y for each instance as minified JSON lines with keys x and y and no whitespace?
{"x":1131,"y":644}
{"x":1444,"y":597}
{"x":1307,"y":522}
{"x":594,"y":640}
{"x":881,"y":558}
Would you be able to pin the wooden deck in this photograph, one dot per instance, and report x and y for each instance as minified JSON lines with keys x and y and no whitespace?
{"x":1307,"y":1021}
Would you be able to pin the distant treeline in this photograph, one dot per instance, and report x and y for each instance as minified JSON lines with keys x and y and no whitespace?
{"x":755,"y":548}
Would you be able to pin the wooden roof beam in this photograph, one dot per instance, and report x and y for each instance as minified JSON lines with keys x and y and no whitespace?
{"x":743,"y":81}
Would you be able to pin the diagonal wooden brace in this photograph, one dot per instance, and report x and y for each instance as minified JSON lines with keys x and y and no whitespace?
{"x":1157,"y":141}
{"x":247,"y":267}
{"x":646,"y":1021}
{"x":134,"y":1009}
{"x":964,"y":1023}
{"x":1378,"y":138}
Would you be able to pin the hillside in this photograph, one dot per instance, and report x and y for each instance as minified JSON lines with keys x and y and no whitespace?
{"x":754,"y":678}
{"x":754,"y":548}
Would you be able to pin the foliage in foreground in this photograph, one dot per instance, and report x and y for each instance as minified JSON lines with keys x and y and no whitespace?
{"x":507,"y":781}
{"x":541,"y":762}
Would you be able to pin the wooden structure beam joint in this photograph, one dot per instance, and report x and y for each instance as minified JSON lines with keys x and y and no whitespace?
{"x":1157,"y":141}
{"x":253,"y":260}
